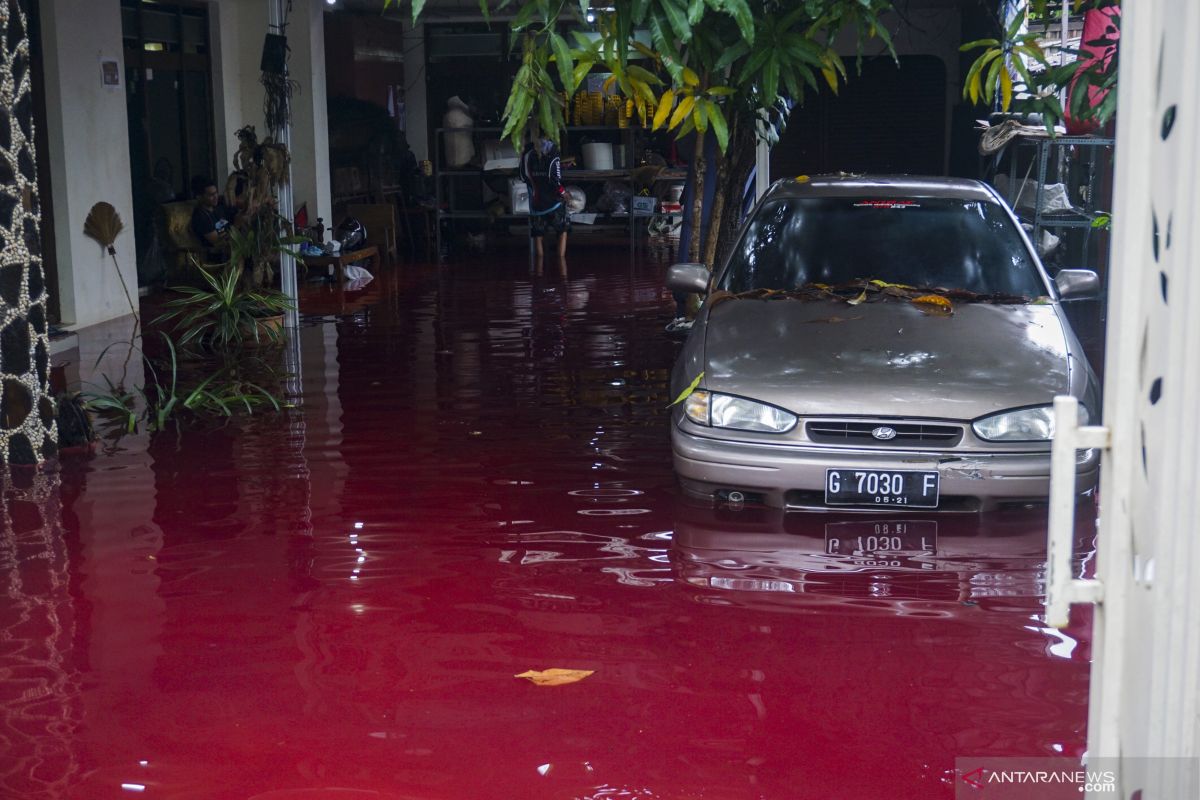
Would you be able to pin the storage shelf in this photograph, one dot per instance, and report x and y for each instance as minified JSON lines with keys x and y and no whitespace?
{"x":448,"y":182}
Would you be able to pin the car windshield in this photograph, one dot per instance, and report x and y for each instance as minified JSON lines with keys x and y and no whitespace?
{"x":923,"y":242}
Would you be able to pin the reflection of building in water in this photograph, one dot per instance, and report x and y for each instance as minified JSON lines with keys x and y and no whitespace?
{"x":38,"y":633}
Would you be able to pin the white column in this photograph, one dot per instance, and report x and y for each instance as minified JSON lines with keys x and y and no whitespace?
{"x":88,"y":135}
{"x":762,"y":168}
{"x":310,"y":119}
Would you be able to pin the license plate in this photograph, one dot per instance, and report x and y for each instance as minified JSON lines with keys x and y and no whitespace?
{"x":881,"y":488}
{"x":872,"y":538}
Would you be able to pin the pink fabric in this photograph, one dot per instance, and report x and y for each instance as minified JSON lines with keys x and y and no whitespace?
{"x":1095,"y":22}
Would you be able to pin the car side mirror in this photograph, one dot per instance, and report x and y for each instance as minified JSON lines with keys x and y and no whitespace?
{"x":1077,"y":284}
{"x":688,"y":278}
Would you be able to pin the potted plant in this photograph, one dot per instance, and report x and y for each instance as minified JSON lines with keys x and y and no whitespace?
{"x":226,"y":312}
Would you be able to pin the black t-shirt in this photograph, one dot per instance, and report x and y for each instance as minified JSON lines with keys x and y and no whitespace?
{"x":205,"y":220}
{"x":543,"y":173}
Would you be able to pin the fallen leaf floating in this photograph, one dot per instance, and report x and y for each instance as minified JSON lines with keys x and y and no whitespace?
{"x":934,"y":304}
{"x":555,"y":677}
{"x":862,"y":298}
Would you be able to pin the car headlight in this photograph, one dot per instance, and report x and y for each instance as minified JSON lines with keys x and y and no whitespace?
{"x":726,"y":411}
{"x":1023,"y":425}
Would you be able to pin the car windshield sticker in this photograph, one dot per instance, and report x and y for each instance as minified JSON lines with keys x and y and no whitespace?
{"x":887,"y":204}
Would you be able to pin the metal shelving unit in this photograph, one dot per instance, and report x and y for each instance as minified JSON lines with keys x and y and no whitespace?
{"x":445,"y":193}
{"x":1064,"y":170}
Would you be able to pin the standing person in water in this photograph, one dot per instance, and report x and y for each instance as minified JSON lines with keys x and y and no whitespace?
{"x":541,"y":169}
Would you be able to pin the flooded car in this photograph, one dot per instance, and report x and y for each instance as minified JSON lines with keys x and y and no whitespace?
{"x":878,"y":343}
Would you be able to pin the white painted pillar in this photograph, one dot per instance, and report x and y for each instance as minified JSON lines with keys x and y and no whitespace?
{"x":762,"y":168}
{"x":310,"y":118}
{"x":88,"y":137}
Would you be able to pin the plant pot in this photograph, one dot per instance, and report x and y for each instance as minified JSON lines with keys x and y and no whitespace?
{"x":269,"y":330}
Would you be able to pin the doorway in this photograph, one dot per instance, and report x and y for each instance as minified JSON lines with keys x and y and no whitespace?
{"x":168,"y":68}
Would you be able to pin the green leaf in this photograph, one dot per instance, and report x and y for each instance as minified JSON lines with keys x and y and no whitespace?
{"x":688,"y":391}
{"x":989,"y":85}
{"x":700,"y":115}
{"x":677,"y":18}
{"x":564,"y":62}
{"x":695,"y":12}
{"x":524,"y":16}
{"x":979,"y":43}
{"x":753,"y":64}
{"x":731,"y":55}
{"x":770,"y":80}
{"x":716,"y":118}
{"x":417,"y":7}
{"x":581,"y":70}
{"x":643,"y":75}
{"x":1015,"y":25}
{"x":740,"y":11}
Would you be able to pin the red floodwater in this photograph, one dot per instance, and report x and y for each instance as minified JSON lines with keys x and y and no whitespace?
{"x":476,"y":482}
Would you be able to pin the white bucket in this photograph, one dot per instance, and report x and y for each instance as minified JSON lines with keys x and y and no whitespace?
{"x":597,"y":155}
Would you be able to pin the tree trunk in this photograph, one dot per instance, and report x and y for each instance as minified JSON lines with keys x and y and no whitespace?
{"x":741,"y":158}
{"x":720,"y":199}
{"x":27,"y":434}
{"x":699,"y":167}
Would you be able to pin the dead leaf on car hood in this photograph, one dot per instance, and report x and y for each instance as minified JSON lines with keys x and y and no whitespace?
{"x":555,"y":676}
{"x":934,"y":305}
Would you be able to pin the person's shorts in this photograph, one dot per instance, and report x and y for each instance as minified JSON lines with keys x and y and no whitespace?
{"x":557,"y":220}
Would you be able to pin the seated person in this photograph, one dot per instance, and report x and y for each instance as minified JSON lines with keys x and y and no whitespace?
{"x":211,"y":218}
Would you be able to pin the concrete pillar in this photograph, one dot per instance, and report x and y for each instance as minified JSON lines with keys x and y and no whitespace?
{"x":88,"y":138}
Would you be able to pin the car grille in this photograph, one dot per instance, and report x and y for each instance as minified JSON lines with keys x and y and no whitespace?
{"x":907,"y":434}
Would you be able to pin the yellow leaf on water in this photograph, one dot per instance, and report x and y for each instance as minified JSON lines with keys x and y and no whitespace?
{"x":934,"y":304}
{"x":801,"y":179}
{"x":555,"y":677}
{"x":886,"y":285}
{"x":860,"y":299}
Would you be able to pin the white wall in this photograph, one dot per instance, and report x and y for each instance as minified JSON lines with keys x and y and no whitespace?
{"x":88,"y":138}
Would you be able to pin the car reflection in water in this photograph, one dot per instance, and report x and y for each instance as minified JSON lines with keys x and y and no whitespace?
{"x":935,"y":564}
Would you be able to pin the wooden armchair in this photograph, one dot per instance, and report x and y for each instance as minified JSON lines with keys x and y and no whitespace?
{"x":179,"y":243}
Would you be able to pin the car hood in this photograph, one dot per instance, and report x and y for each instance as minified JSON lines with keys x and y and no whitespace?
{"x":818,"y":358}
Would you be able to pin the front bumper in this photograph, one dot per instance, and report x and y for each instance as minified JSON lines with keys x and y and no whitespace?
{"x":793,"y":476}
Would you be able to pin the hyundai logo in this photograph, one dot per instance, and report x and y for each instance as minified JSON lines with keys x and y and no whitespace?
{"x":883,"y":433}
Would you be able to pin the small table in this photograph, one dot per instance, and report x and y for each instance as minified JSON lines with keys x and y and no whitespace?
{"x":342,"y":259}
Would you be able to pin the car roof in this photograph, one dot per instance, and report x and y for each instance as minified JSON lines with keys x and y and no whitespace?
{"x":844,"y":185}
